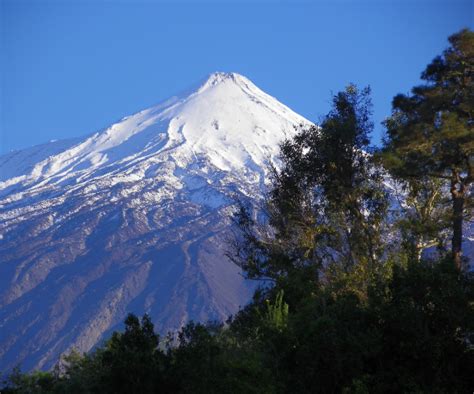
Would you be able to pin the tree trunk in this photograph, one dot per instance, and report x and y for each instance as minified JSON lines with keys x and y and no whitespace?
{"x":458,"y":195}
{"x":418,"y":248}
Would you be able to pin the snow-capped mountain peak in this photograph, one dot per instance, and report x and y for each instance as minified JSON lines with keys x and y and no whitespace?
{"x":133,"y":218}
{"x":227,"y":119}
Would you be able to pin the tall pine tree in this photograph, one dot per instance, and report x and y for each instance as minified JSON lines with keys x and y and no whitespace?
{"x":431,"y":132}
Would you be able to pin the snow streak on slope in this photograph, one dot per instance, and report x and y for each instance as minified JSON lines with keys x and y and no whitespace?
{"x":132,"y":218}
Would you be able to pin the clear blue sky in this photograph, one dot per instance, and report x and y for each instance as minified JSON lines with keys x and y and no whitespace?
{"x":72,"y":67}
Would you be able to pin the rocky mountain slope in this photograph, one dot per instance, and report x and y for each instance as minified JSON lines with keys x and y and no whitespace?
{"x":131,"y":219}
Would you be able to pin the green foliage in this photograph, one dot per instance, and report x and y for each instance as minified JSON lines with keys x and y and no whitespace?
{"x":36,"y":382}
{"x":129,"y":362}
{"x":432,"y":351}
{"x":277,"y":313}
{"x":209,"y":359}
{"x":327,"y":207}
{"x":431,"y":131}
{"x":329,"y":189}
{"x":413,"y":333}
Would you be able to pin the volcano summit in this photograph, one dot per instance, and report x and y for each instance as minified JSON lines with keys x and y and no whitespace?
{"x":133,"y":218}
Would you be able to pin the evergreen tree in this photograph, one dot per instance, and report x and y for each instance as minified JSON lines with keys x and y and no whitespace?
{"x":431,"y":132}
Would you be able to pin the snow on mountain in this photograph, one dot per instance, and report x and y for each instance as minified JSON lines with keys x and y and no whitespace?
{"x":133,"y":218}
